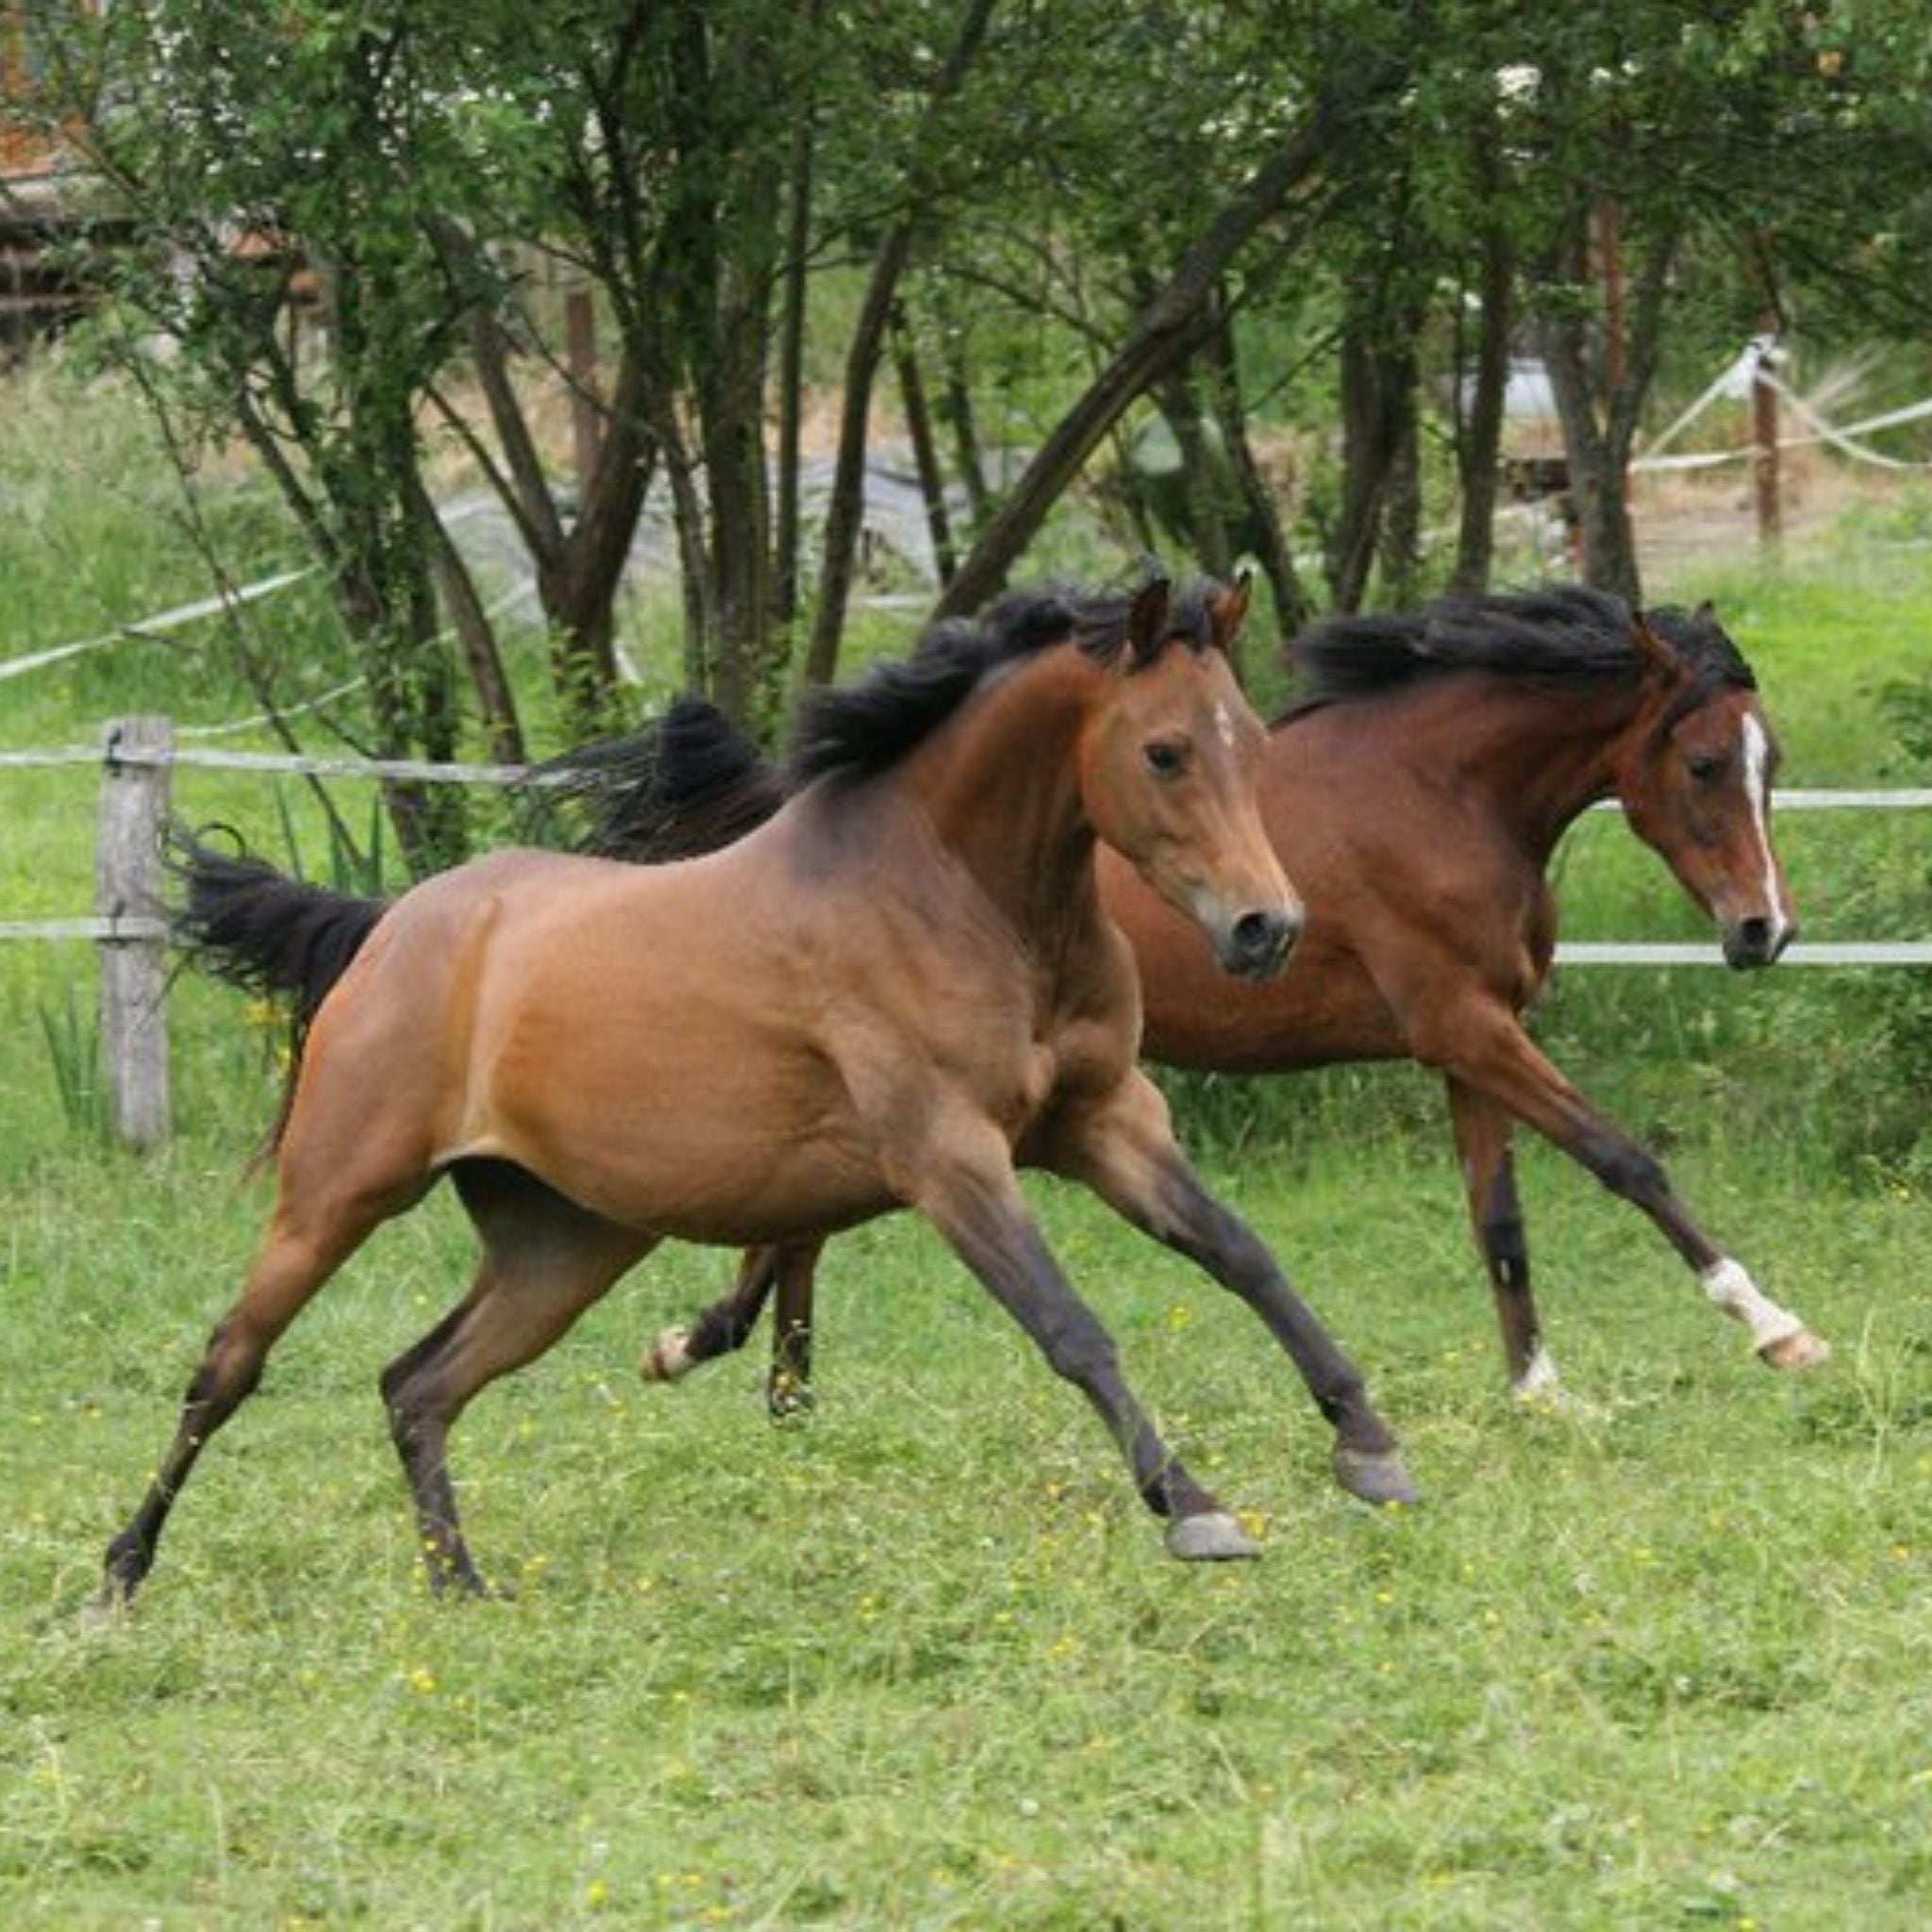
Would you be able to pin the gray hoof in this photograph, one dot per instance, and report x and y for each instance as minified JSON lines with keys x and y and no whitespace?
{"x":1213,"y":1537}
{"x":1376,"y":1476}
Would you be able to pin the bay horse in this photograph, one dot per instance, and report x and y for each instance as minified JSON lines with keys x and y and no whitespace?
{"x":1416,"y":793}
{"x":893,"y":990}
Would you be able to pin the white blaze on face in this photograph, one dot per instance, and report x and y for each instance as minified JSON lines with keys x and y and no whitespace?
{"x":1223,"y":723}
{"x":1757,"y":793}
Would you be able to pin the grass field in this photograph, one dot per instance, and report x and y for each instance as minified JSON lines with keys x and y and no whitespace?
{"x":923,"y":1662}
{"x":1662,"y":1661}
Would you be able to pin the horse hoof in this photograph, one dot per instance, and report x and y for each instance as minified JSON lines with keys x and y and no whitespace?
{"x":1801,"y":1350}
{"x":790,"y":1400}
{"x":1213,"y":1537}
{"x":1376,"y":1476}
{"x":668,"y":1357}
{"x":108,"y":1608}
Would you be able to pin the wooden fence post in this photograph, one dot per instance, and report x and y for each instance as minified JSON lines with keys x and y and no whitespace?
{"x":134,"y":964}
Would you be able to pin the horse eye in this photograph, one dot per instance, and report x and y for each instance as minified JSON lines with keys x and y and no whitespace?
{"x":1165,"y":760}
{"x":1707,"y":766}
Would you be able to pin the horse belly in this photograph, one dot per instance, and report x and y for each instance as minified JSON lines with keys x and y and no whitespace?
{"x":694,"y":1119}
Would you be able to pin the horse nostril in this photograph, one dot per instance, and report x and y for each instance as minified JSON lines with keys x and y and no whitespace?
{"x":1261,"y":940}
{"x":1756,"y":942}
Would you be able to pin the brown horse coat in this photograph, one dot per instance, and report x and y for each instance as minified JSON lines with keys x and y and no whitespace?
{"x":885,"y":996}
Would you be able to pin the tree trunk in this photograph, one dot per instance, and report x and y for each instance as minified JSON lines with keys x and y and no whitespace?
{"x":1261,"y":531}
{"x":731,"y":408}
{"x":496,"y":698}
{"x":370,"y":477}
{"x":1596,"y":473}
{"x":1372,"y":412}
{"x":580,"y":587}
{"x":1480,"y":421}
{"x":786,"y":542}
{"x":925,"y":455}
{"x":1201,"y":501}
{"x":1402,"y":496}
{"x":845,"y":512}
{"x":957,"y":407}
{"x":1597,"y":435}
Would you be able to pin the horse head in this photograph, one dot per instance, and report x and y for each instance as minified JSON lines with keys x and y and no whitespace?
{"x":1168,"y":772}
{"x":1696,"y":785}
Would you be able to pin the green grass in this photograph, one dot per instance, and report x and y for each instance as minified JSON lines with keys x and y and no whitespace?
{"x":923,"y":1662}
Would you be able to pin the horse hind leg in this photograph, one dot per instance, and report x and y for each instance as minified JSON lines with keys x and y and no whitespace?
{"x":1483,"y":1132}
{"x":545,"y":1261}
{"x":730,"y":1320}
{"x":789,"y":1391}
{"x":721,"y":1329}
{"x":299,"y":1254}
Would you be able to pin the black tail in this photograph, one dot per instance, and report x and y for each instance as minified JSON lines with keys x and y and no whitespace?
{"x":689,"y":784}
{"x":247,"y":924}
{"x":244,"y":922}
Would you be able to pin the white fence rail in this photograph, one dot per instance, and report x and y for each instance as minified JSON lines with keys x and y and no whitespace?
{"x":138,"y":755}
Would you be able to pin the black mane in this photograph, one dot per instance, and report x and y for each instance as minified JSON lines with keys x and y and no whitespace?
{"x":1562,"y":637}
{"x":860,"y":729}
{"x":694,"y":782}
{"x":688,"y":784}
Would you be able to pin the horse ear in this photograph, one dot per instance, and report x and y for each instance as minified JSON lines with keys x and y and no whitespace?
{"x":1227,"y":608}
{"x":1654,"y":657}
{"x":1147,"y":621}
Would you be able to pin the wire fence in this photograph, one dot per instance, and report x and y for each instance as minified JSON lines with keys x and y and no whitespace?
{"x":128,"y":930}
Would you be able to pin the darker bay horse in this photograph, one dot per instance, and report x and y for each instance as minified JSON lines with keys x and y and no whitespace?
{"x":895,"y":988}
{"x":1416,"y":794}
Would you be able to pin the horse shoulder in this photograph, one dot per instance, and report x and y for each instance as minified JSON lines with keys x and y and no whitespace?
{"x":1089,"y":1025}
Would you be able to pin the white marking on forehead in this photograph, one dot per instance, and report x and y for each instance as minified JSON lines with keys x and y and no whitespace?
{"x":1223,"y":723}
{"x":1758,"y":792}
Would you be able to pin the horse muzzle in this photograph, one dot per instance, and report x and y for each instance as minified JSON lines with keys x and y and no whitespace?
{"x":1751,"y":943}
{"x":1255,"y":944}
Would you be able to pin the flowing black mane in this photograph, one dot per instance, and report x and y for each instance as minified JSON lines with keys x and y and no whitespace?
{"x":860,"y":729}
{"x":694,"y":782}
{"x":686,"y":785}
{"x":1563,"y":638}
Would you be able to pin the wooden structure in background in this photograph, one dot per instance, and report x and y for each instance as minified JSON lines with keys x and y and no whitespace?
{"x":42,"y":197}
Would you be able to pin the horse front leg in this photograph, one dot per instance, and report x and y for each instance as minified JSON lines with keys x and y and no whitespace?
{"x":1486,"y":1049}
{"x":1123,"y":1148}
{"x":1483,"y":1131}
{"x":975,"y":1203}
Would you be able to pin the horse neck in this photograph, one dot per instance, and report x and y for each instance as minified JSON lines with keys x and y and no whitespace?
{"x":1001,"y":788}
{"x":1541,"y":759}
